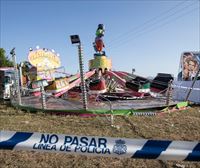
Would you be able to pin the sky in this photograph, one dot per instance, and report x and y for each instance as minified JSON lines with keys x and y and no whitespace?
{"x":147,"y":35}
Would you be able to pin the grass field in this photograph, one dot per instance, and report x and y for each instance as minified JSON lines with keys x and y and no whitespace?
{"x":182,"y":125}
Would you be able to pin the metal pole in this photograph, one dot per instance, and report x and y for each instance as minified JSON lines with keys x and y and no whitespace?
{"x":43,"y":97}
{"x":168,"y":92}
{"x":16,"y":76}
{"x":20,"y":74}
{"x":83,"y":85}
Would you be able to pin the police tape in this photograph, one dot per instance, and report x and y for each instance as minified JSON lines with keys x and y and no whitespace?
{"x":101,"y":146}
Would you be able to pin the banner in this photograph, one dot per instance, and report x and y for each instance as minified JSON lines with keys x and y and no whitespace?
{"x":189,"y":66}
{"x":101,"y":146}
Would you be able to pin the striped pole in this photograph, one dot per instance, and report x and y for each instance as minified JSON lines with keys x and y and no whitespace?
{"x":43,"y":98}
{"x":83,"y":85}
{"x":101,"y":146}
{"x":169,"y":92}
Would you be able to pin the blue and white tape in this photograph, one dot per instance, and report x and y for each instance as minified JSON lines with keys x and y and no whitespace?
{"x":101,"y":146}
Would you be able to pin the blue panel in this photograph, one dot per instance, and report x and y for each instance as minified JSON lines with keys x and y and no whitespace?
{"x":181,"y":89}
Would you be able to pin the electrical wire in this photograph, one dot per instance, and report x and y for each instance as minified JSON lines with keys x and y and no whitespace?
{"x":145,"y":23}
{"x":150,"y":30}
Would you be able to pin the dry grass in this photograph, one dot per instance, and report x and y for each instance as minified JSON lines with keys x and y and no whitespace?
{"x":183,"y":125}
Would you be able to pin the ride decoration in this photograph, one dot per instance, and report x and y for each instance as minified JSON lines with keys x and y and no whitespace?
{"x":44,"y":59}
{"x":100,"y":61}
{"x":99,"y":44}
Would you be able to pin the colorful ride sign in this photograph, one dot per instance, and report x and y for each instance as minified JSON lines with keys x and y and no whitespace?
{"x":44,"y":59}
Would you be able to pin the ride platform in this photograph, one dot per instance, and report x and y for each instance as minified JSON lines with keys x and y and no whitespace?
{"x":71,"y":107}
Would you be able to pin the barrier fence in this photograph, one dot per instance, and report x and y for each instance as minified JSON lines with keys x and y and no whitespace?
{"x":101,"y":146}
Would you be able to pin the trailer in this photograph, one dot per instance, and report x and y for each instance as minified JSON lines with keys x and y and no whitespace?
{"x":6,"y":81}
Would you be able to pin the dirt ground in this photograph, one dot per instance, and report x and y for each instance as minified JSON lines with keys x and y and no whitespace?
{"x":182,"y":125}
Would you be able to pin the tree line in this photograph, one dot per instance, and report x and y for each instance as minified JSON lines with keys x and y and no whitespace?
{"x":4,"y":60}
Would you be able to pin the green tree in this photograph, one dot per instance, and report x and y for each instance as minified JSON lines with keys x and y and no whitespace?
{"x":4,"y":61}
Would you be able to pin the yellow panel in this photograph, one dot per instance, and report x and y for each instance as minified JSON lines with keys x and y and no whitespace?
{"x":100,"y":62}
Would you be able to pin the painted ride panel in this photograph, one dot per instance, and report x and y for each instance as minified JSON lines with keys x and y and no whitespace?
{"x":57,"y":85}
